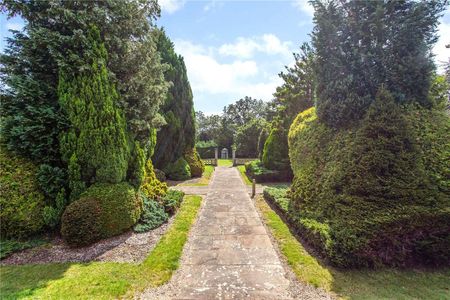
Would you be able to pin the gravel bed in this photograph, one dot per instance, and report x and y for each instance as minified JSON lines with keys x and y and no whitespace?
{"x":128,"y":247}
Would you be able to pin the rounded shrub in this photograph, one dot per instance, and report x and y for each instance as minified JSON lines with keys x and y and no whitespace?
{"x":104,"y":210}
{"x":376,"y":193}
{"x":153,"y":215}
{"x":21,"y":202}
{"x":179,"y":170}
{"x":275,"y":155}
{"x":195,"y":163}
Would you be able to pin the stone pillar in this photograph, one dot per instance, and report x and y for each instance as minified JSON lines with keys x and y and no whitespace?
{"x":216,"y":155}
{"x":233,"y":151}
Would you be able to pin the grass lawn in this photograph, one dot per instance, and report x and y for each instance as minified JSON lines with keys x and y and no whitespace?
{"x":355,"y":284}
{"x":204,"y":180}
{"x":225,"y":162}
{"x":103,"y":280}
{"x":244,"y":175}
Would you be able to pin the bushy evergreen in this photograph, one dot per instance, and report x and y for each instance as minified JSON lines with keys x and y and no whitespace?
{"x":178,"y":134}
{"x":379,"y":43}
{"x":104,"y":210}
{"x":95,"y":145}
{"x":179,"y":170}
{"x":195,"y":163}
{"x":151,"y":187}
{"x":153,"y":215}
{"x":375,"y":193}
{"x":247,"y":137}
{"x":275,"y":155}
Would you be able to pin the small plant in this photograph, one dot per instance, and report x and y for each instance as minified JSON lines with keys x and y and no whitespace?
{"x":178,"y":170}
{"x":172,"y":201}
{"x":153,"y":215}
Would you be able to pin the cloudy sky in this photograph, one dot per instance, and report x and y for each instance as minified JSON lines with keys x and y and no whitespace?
{"x":237,"y":48}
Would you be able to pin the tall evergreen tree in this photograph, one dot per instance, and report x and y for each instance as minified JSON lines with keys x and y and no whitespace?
{"x":95,"y":145}
{"x":362,"y":45}
{"x":178,"y":135}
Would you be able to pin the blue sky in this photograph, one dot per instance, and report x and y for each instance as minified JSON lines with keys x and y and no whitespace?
{"x":237,"y":48}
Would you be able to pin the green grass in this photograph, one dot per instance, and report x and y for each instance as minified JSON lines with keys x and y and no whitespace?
{"x":204,"y":180}
{"x":103,"y":280}
{"x":225,"y":162}
{"x":355,"y":284}
{"x":244,"y":175}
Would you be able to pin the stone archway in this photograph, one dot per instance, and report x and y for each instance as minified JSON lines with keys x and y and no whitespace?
{"x":224,"y":153}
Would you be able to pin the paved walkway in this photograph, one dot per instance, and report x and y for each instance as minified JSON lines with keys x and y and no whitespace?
{"x":229,"y":254}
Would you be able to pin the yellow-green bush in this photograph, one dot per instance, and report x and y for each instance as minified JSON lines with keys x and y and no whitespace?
{"x":376,"y":193}
{"x":104,"y":210}
{"x":151,"y":186}
{"x":21,"y":202}
{"x":195,"y":163}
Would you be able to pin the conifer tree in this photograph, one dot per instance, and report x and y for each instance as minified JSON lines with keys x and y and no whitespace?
{"x":95,"y":146}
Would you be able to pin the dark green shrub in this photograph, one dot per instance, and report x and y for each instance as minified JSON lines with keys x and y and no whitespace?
{"x":278,"y":196}
{"x":172,"y":201}
{"x":376,"y":193}
{"x":104,"y":210}
{"x":8,"y":247}
{"x":21,"y":202}
{"x":178,"y":170}
{"x":153,"y":215}
{"x":256,"y":170}
{"x":275,"y":155}
{"x":160,"y":175}
{"x":196,"y":165}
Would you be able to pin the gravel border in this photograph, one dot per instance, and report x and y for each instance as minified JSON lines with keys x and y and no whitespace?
{"x":130,"y":247}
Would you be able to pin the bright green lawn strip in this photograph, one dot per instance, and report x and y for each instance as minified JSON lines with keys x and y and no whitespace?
{"x":244,"y":175}
{"x":356,"y":284}
{"x":225,"y":163}
{"x":204,"y":180}
{"x":103,"y":280}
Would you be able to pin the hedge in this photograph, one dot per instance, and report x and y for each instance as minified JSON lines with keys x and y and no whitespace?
{"x":376,"y":193}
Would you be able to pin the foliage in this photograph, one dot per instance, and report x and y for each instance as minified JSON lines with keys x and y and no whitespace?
{"x":275,"y":155}
{"x":8,"y":247}
{"x":278,"y":196}
{"x":246,"y":138}
{"x":376,"y":193}
{"x":153,"y":215}
{"x":96,"y":144}
{"x":104,"y":210}
{"x":97,"y":280}
{"x":354,"y":284}
{"x":151,"y":187}
{"x":194,"y":161}
{"x":178,"y":170}
{"x":245,"y":110}
{"x":262,"y":138}
{"x":206,"y":149}
{"x":351,"y":66}
{"x":178,"y":135}
{"x":439,"y":92}
{"x":172,"y":201}
{"x":256,"y":170}
{"x":244,"y":176}
{"x":21,"y":202}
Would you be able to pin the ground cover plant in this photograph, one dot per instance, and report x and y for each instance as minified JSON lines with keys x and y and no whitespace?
{"x":354,"y":284}
{"x":103,"y":280}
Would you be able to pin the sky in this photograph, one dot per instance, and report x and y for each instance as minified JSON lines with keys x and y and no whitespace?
{"x":237,"y":48}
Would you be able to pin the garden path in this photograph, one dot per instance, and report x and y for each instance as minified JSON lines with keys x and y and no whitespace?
{"x":229,"y":254}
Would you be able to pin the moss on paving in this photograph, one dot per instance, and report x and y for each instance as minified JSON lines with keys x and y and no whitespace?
{"x":103,"y":280}
{"x":355,"y":284}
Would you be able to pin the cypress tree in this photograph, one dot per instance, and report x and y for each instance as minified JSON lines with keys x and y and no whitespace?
{"x":95,"y":146}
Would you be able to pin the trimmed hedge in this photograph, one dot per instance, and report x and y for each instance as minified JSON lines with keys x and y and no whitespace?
{"x":255,"y":169}
{"x":195,"y":163}
{"x":103,"y":211}
{"x":377,"y":193}
{"x":21,"y":202}
{"x":178,"y":170}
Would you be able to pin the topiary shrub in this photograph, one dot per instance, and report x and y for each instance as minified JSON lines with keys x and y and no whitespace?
{"x":196,"y":165}
{"x":256,"y":170}
{"x":275,"y":155}
{"x":153,"y":215}
{"x":172,"y":201}
{"x":21,"y":202}
{"x":179,"y":170}
{"x":376,"y":193}
{"x":103,"y":211}
{"x":151,"y":187}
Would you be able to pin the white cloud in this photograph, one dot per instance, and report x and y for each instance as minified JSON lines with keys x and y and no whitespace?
{"x":247,"y":47}
{"x":14,"y":26}
{"x":171,"y":6}
{"x":442,"y":53}
{"x":304,"y":6}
